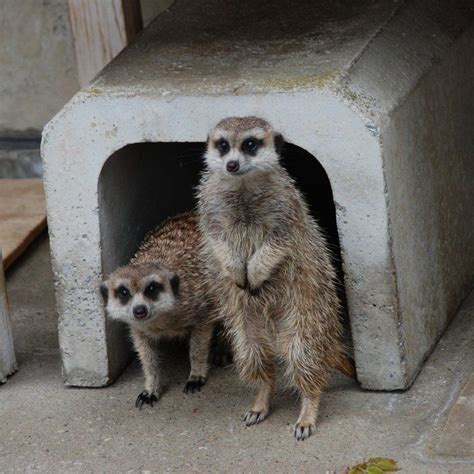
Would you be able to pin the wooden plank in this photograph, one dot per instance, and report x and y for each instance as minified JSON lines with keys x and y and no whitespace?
{"x":7,"y":354}
{"x":22,"y":215}
{"x":101,"y":29}
{"x":133,"y":20}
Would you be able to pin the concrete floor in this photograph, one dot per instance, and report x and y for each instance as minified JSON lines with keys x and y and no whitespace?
{"x":45,"y":426}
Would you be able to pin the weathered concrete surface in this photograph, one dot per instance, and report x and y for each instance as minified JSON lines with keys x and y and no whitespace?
{"x":456,"y":439}
{"x":343,"y":81}
{"x":423,"y":104}
{"x":47,"y":427}
{"x":38,"y":72}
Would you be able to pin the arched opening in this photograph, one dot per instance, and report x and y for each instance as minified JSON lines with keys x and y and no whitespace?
{"x":142,"y":184}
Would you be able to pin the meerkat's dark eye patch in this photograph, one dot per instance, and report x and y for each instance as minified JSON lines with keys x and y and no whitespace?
{"x":153,"y":289}
{"x":222,"y":146}
{"x":251,"y":145}
{"x":174,"y":282}
{"x":123,"y":294}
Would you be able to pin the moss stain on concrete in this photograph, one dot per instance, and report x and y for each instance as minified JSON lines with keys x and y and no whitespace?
{"x":317,"y":81}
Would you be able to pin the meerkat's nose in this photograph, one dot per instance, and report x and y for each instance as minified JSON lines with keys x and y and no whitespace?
{"x":233,"y":166}
{"x":140,"y":311}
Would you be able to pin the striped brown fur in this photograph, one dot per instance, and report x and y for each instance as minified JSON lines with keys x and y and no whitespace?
{"x":170,"y":257}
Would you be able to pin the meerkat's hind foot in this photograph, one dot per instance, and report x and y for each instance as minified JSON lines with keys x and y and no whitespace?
{"x":306,"y":421}
{"x":146,"y":398}
{"x":194,"y":384}
{"x":303,"y":431}
{"x":254,"y":417}
{"x":261,"y":406}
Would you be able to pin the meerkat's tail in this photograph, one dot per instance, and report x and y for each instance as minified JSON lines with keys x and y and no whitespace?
{"x":346,"y":366}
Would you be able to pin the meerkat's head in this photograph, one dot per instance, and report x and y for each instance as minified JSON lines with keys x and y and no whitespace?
{"x":240,"y":145}
{"x":139,"y":293}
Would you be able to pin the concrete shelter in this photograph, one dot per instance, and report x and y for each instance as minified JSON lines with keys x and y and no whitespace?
{"x":384,"y":107}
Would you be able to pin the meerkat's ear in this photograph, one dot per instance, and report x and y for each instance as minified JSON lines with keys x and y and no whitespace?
{"x":278,"y":141}
{"x":174,"y":282}
{"x":104,"y":291}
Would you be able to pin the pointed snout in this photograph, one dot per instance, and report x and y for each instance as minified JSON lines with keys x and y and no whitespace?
{"x":232,"y":166}
{"x":234,"y":162}
{"x":140,"y":311}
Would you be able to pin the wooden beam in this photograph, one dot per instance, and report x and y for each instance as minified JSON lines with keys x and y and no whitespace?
{"x":7,"y":354}
{"x":132,"y":13}
{"x":101,"y":29}
{"x":22,"y":216}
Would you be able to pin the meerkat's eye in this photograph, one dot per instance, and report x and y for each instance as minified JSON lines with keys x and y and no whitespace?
{"x":250,"y":145}
{"x":223,"y":146}
{"x":123,"y":294}
{"x":152,"y":289}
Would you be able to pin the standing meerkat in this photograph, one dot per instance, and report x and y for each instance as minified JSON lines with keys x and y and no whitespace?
{"x":271,"y":267}
{"x":162,"y":293}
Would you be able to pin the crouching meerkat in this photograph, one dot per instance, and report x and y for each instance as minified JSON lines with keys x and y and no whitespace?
{"x":271,"y":267}
{"x":162,"y":293}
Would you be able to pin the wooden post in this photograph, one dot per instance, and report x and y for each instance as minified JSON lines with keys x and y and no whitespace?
{"x":7,"y":354}
{"x":101,"y":29}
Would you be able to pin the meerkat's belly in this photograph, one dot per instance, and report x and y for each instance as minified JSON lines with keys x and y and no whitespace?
{"x":246,"y":237}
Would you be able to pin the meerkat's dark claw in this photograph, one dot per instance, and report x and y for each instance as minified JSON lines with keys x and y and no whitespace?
{"x":254,"y":417}
{"x":145,"y":398}
{"x":303,"y":432}
{"x":194,"y":384}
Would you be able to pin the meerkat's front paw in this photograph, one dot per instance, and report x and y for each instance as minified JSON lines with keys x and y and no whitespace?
{"x":239,"y":278}
{"x":146,"y":398}
{"x":254,"y":417}
{"x":194,"y":384}
{"x":303,"y":431}
{"x":239,"y":284}
{"x":256,"y":278}
{"x":237,"y":273}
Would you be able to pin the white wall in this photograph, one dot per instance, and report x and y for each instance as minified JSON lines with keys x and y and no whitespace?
{"x":38,"y":72}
